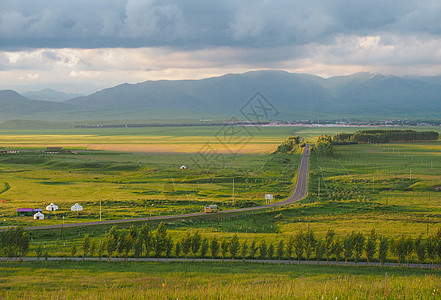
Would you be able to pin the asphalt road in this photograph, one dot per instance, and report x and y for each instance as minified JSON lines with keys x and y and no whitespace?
{"x":299,"y":193}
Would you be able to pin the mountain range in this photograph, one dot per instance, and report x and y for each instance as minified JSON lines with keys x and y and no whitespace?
{"x":295,"y":96}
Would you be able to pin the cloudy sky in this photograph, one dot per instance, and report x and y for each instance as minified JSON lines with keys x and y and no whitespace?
{"x":86,"y":45}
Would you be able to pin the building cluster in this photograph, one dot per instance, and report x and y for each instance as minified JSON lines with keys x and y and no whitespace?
{"x":37,"y":213}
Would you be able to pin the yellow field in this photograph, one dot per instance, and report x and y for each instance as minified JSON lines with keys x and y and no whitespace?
{"x":153,"y":144}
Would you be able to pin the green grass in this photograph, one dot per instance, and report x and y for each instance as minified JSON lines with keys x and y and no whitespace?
{"x":145,"y":184}
{"x":73,"y":280}
{"x":136,"y":184}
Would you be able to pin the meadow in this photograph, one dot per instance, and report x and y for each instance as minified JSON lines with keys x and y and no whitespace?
{"x":358,"y":179}
{"x":392,"y":188}
{"x":73,"y":280}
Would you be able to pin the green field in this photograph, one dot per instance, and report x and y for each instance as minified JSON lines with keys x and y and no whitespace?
{"x":73,"y":280}
{"x":392,"y":188}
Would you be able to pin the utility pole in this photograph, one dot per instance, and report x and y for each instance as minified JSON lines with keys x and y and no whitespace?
{"x":233,"y":189}
{"x":373,"y":183}
{"x":61,"y":229}
{"x":100,"y":209}
{"x":318,"y":188}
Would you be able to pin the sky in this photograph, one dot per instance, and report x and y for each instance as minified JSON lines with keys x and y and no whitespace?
{"x":83,"y":46}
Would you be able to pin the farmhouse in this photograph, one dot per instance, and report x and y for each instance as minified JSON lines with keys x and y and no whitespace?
{"x":28,"y":211}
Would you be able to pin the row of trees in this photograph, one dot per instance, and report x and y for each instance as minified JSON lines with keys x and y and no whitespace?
{"x":324,"y":145}
{"x":289,"y":144}
{"x":385,"y":136}
{"x":354,"y":246}
{"x":14,"y":242}
{"x":143,"y":242}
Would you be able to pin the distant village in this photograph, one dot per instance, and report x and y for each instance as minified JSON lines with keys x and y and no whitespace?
{"x":48,"y":150}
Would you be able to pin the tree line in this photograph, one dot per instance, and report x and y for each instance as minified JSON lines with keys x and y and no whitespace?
{"x":385,"y":136}
{"x":288,"y":145}
{"x":304,"y":245}
{"x":324,"y":145}
{"x":14,"y":242}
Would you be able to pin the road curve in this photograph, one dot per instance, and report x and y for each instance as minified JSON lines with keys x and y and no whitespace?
{"x":300,"y":191}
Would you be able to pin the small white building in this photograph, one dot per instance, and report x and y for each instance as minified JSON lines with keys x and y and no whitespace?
{"x":39,"y":216}
{"x":183,"y":167}
{"x":51,"y":207}
{"x":76,"y":207}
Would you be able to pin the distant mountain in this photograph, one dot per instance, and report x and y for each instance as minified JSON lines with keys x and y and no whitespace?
{"x":14,"y":105}
{"x":296,"y":96}
{"x":361,"y":95}
{"x":50,"y":95}
{"x":217,"y":96}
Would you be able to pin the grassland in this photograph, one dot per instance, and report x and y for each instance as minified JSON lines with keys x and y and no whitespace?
{"x":140,"y":184}
{"x":393,"y":188}
{"x":73,"y":280}
{"x":368,"y":180}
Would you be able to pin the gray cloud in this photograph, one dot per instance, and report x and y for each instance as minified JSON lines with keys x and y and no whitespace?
{"x":196,"y":23}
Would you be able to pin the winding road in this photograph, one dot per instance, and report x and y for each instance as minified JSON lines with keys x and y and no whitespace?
{"x":300,"y":191}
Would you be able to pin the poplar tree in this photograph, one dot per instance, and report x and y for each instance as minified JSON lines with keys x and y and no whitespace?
{"x":383,"y":247}
{"x":290,"y":248}
{"x":196,"y":243}
{"x":309,"y":243}
{"x":299,"y":245}
{"x":214,"y":247}
{"x":244,"y":250}
{"x":224,"y":248}
{"x":204,"y":247}
{"x":329,"y":239}
{"x":280,"y":249}
{"x":234,"y":246}
{"x":263,"y":250}
{"x":348,"y":247}
{"x":253,"y":249}
{"x":371,"y":246}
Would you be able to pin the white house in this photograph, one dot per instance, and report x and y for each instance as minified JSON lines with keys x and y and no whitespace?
{"x":51,"y":207}
{"x":76,"y":207}
{"x":39,"y":216}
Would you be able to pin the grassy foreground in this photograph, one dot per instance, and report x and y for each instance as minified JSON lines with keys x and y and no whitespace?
{"x":92,"y":280}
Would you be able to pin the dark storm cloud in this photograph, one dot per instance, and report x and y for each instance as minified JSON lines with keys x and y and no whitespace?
{"x":200,"y":23}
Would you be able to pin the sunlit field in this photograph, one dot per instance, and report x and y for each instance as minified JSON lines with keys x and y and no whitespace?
{"x":392,"y":188}
{"x":142,"y":184}
{"x":73,"y":280}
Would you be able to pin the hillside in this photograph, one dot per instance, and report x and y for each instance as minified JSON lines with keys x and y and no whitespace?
{"x":360,"y":95}
{"x":14,"y":105}
{"x":49,"y":95}
{"x":296,"y":96}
